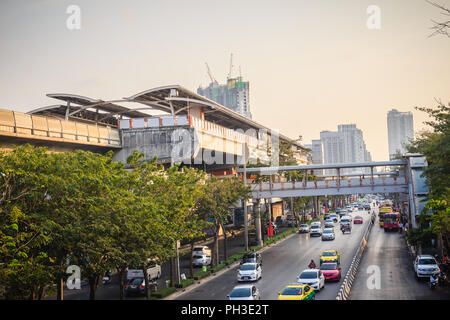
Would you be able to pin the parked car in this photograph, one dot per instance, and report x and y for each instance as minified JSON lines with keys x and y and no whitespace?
{"x":425,"y":266}
{"x":201,"y":256}
{"x":249,"y":272}
{"x":313,"y":278}
{"x":331,"y":271}
{"x":244,"y":292}
{"x":315,"y":230}
{"x":358,"y":220}
{"x":304,"y":228}
{"x":252,"y":257}
{"x":328,"y":234}
{"x":153,"y":271}
{"x":135,"y":286}
{"x":297,"y":291}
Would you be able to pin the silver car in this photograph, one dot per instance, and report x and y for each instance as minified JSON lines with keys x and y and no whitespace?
{"x":328,"y":234}
{"x":244,"y":292}
{"x":315,"y":230}
{"x":329,"y":223}
{"x":304,"y":228}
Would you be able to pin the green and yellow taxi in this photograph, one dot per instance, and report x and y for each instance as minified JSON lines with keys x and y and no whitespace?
{"x":297,"y":291}
{"x":330,"y":256}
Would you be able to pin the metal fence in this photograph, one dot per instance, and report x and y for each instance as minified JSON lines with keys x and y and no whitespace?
{"x":344,"y":291}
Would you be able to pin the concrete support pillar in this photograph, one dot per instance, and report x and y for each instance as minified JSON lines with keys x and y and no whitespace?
{"x":258,"y":223}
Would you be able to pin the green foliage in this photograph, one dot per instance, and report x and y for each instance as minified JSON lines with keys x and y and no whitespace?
{"x":184,"y":283}
{"x":201,"y":274}
{"x":164,"y":292}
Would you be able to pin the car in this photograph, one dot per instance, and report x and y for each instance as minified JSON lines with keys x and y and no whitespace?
{"x":342,"y":213}
{"x":153,"y":271}
{"x":330,"y":256}
{"x":249,"y":272}
{"x":334,"y":217}
{"x":328,"y":234}
{"x":304,"y":228}
{"x":315,"y":230}
{"x":252,"y":257}
{"x":367,"y":207}
{"x":297,"y":291}
{"x":331,"y":271}
{"x":358,"y":220}
{"x":329,"y":223}
{"x":201,"y":256}
{"x":244,"y":292}
{"x":316,"y":223}
{"x":313,"y":278}
{"x":425,"y":266}
{"x":135,"y":286}
{"x":346,"y":220}
{"x":326,"y":216}
{"x":291,"y":222}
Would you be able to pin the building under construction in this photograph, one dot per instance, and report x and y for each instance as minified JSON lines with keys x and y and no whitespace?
{"x":233,"y":95}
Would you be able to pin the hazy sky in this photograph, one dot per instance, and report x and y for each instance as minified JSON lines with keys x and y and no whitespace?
{"x":312,"y":64}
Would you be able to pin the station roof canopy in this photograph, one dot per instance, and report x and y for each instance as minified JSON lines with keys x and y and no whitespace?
{"x":175,"y":98}
{"x":80,"y":105}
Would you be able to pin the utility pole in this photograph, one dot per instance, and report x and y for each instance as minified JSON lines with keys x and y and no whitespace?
{"x":258,"y":224}
{"x":244,"y":201}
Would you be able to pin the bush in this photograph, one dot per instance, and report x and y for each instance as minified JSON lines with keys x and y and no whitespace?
{"x":164,"y":292}
{"x":184,"y":283}
{"x":218,"y":267}
{"x":201,"y":275}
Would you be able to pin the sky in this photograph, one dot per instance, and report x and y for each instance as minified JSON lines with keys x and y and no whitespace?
{"x":311,"y":64}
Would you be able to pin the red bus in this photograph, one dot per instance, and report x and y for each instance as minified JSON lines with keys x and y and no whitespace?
{"x":391,"y":221}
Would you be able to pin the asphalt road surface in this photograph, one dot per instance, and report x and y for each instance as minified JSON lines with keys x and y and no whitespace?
{"x":283,"y":262}
{"x":388,"y":252}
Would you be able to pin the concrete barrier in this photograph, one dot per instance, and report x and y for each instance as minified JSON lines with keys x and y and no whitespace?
{"x":344,"y":291}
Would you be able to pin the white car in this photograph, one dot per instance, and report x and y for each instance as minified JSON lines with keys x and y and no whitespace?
{"x":249,"y":272}
{"x":329,"y":223}
{"x":153,"y":271}
{"x":313,"y":278}
{"x":425,"y":266}
{"x":244,"y":292}
{"x":328,"y":234}
{"x":315,"y":230}
{"x":201,"y":256}
{"x":346,"y":220}
{"x":304,"y":228}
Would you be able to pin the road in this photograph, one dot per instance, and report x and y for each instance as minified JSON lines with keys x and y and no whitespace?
{"x":283,"y":262}
{"x":388,"y":251}
{"x":111,"y":291}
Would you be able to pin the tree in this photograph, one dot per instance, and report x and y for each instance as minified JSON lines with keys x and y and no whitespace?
{"x":435,"y":145}
{"x":441,"y":27}
{"x":24,"y":263}
{"x":218,"y":197}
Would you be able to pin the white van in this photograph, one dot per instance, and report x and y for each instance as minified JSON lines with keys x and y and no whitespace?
{"x":201,"y":256}
{"x":153,"y":271}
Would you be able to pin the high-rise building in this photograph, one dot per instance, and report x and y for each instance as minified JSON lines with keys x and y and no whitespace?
{"x":316,"y":154}
{"x":400,"y":131}
{"x":233,"y":95}
{"x":344,"y":146}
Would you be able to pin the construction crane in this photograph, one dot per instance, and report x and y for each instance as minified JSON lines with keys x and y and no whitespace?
{"x":213,"y":80}
{"x":231,"y":66}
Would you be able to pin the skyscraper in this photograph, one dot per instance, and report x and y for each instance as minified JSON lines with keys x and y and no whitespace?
{"x":233,"y":95}
{"x":344,"y":146}
{"x":316,"y":154}
{"x":400,"y":131}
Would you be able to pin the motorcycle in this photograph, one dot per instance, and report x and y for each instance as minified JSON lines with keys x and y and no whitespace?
{"x":107,"y":278}
{"x":434,"y":281}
